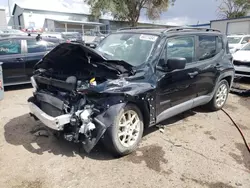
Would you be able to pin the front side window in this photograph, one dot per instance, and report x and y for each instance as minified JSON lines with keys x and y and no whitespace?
{"x":134,"y":48}
{"x":181,"y":47}
{"x":9,"y":47}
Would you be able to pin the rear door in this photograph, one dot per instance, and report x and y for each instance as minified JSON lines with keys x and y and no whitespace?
{"x":35,"y":50}
{"x":210,"y":52}
{"x":13,"y":58}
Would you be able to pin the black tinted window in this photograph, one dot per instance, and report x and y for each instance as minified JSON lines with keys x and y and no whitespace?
{"x":8,"y":47}
{"x":39,"y":46}
{"x":181,"y":47}
{"x":207,"y":47}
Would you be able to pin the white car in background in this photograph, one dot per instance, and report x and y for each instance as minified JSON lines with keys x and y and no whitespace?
{"x":236,"y":42}
{"x":241,"y":61}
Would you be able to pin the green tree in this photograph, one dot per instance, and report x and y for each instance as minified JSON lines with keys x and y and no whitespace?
{"x":234,"y":8}
{"x":129,"y":10}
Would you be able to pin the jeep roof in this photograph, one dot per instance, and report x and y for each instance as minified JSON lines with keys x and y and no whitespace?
{"x":169,"y":31}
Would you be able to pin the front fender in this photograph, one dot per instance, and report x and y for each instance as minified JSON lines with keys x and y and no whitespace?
{"x":102,"y":122}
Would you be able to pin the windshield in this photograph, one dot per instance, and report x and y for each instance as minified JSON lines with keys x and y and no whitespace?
{"x":246,"y":47}
{"x":130,"y":47}
{"x":234,"y":40}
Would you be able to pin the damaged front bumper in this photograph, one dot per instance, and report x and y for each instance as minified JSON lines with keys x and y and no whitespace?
{"x":55,"y":123}
{"x":77,"y":127}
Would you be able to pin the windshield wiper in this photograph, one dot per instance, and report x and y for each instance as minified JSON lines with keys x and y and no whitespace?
{"x":112,"y":67}
{"x":115,"y":67}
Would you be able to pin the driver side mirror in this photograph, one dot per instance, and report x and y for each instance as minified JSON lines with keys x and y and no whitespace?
{"x":173,"y":64}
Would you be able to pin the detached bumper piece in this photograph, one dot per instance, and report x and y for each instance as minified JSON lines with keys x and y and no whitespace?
{"x":56,"y":123}
{"x":237,"y":89}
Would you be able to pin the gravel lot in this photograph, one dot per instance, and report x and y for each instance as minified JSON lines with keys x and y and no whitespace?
{"x":196,"y":149}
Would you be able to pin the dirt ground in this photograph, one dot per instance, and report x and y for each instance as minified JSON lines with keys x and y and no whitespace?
{"x":196,"y":149}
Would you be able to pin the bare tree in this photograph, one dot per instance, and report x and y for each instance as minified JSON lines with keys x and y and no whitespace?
{"x":233,"y":8}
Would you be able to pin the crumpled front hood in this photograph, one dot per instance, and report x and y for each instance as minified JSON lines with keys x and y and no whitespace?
{"x":122,"y":86}
{"x":133,"y":85}
{"x":86,"y":54}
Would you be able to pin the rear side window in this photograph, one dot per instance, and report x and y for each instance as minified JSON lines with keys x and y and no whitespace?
{"x":219,"y":44}
{"x":39,"y":46}
{"x":10,"y":47}
{"x":209,"y":46}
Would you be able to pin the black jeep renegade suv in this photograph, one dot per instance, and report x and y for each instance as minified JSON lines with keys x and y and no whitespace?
{"x":134,"y":79}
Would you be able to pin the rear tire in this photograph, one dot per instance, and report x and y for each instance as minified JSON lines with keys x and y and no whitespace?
{"x":124,"y":136}
{"x":220,"y":96}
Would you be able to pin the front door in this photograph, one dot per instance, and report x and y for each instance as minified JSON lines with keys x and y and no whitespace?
{"x":13,"y":61}
{"x":177,"y":87}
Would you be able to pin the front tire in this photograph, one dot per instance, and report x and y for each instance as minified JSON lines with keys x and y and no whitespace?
{"x":220,"y":97}
{"x":124,"y":136}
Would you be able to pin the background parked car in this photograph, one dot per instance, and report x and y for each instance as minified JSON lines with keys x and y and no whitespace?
{"x":241,"y":60}
{"x":236,"y":42}
{"x":73,"y":37}
{"x":19,"y":55}
{"x":11,"y":32}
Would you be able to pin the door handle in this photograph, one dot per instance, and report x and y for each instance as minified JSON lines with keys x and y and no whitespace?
{"x":193,"y":74}
{"x":19,"y":59}
{"x":217,"y":66}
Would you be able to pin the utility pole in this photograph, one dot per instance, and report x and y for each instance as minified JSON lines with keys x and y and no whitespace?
{"x":9,"y":8}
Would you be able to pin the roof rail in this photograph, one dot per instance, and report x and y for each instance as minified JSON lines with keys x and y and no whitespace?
{"x":238,"y":34}
{"x":142,"y":27}
{"x":190,"y":28}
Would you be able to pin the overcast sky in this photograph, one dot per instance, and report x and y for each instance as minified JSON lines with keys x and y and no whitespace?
{"x":183,"y":12}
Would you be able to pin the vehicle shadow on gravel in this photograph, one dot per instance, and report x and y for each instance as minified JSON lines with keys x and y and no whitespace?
{"x":22,"y":130}
{"x":17,"y":87}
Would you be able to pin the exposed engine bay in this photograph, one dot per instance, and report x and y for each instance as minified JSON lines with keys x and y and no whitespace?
{"x":79,"y":93}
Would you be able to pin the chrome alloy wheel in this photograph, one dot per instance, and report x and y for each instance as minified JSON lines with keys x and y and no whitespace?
{"x":129,"y":128}
{"x":221,"y":95}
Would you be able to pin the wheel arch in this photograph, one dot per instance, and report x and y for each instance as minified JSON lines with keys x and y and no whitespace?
{"x":143,"y":106}
{"x":229,"y":79}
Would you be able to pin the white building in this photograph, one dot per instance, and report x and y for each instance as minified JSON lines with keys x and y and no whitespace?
{"x":64,"y":18}
{"x":3,"y":21}
{"x":60,"y":20}
{"x":232,"y":26}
